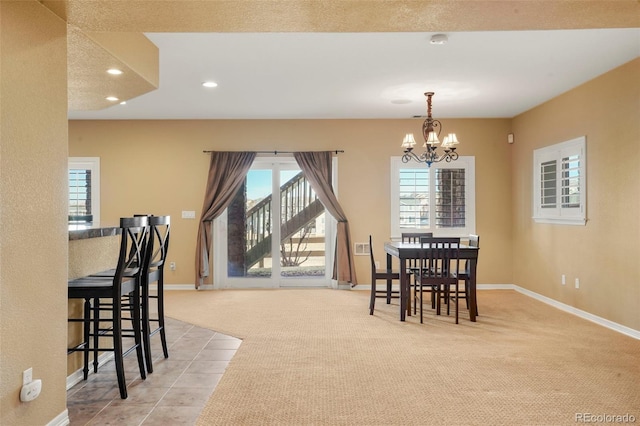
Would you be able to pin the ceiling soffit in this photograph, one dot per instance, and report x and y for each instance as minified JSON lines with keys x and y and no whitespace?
{"x":90,"y":55}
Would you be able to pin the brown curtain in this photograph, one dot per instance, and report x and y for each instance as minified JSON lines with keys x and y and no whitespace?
{"x":227,"y":171}
{"x":316,"y":167}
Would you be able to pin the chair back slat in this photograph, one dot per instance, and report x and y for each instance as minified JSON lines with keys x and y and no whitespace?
{"x":371,"y":257}
{"x":439,"y":260}
{"x":414,"y":237}
{"x":474,"y":241}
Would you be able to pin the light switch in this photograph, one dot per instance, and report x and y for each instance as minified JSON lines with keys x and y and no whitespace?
{"x":188,"y":214}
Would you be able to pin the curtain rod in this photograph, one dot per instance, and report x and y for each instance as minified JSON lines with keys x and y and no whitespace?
{"x":337,"y":151}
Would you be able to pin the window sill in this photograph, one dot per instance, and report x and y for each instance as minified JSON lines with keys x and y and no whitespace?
{"x":561,"y":220}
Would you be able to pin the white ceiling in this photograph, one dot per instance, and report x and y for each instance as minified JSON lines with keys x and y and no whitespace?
{"x":370,"y":75}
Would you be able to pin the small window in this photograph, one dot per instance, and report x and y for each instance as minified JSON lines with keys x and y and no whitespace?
{"x":559,"y":194}
{"x":438,"y":199}
{"x":84,"y":190}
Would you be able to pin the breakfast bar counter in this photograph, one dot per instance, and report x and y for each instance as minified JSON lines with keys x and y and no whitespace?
{"x":92,"y":249}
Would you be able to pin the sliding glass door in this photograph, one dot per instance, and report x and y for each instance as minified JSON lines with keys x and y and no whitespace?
{"x":274,"y":233}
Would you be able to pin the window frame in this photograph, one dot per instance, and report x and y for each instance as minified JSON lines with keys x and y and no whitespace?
{"x":463,"y":162}
{"x":93,"y":164}
{"x":559,"y":214}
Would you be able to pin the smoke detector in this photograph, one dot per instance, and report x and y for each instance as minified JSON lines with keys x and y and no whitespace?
{"x":439,"y":39}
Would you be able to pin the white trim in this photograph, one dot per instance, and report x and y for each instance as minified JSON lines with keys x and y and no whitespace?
{"x":172,"y":287}
{"x":555,"y":153}
{"x":221,"y":280}
{"x":479,"y":286}
{"x":61,"y":419}
{"x":560,"y":221}
{"x":77,"y":376}
{"x":580,"y":313}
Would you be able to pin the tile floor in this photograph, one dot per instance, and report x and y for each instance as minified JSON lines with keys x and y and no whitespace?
{"x":174,"y":394}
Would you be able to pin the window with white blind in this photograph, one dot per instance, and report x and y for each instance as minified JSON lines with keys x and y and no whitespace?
{"x":559,"y":183}
{"x":438,"y":199}
{"x":84,"y":190}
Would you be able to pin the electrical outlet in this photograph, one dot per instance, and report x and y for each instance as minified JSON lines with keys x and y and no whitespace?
{"x":577,"y":282}
{"x":30,"y":391}
{"x":172,"y":266}
{"x":564,"y":279}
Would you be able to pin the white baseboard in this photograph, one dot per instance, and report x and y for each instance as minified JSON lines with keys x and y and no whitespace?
{"x":77,"y":376}
{"x":580,"y":313}
{"x":61,"y":419}
{"x":496,"y":287}
{"x":559,"y":305}
{"x":367,"y":287}
{"x":181,"y":287}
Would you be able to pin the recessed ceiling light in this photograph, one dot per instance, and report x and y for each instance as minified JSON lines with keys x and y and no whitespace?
{"x":439,"y":39}
{"x":123,"y":103}
{"x":210,"y":84}
{"x":114,"y":71}
{"x":112,"y":98}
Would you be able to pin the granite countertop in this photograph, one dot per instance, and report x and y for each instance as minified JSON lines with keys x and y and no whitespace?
{"x":82,"y":232}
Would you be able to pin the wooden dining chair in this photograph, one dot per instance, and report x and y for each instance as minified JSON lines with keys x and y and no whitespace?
{"x":438,"y":267}
{"x":117,"y":294}
{"x":465,"y":273}
{"x":383,"y":275}
{"x":413,"y":237}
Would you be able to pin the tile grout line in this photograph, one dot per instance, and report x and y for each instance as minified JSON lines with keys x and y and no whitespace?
{"x":138,"y":376}
{"x":179,"y":376}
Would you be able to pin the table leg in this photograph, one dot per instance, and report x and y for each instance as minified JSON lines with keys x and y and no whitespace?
{"x":405,"y":306}
{"x":473,"y":304}
{"x":389,"y":282}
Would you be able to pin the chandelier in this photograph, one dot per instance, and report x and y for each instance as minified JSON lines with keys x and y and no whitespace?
{"x":430,"y":131}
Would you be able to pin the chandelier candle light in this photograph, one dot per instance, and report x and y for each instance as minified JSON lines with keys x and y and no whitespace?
{"x":430,"y":131}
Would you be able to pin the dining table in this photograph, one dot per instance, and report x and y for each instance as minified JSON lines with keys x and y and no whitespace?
{"x":406,"y":251}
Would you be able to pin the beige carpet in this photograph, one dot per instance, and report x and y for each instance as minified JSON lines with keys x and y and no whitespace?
{"x":316,"y":357}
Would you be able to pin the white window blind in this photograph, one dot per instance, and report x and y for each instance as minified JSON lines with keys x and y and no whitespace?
{"x":438,"y":199}
{"x":414,"y":198}
{"x":450,"y":198}
{"x":570,"y":184}
{"x":80,"y":194}
{"x":559,"y":193}
{"x":84,"y":190}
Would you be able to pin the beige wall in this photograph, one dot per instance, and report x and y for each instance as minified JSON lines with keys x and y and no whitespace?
{"x":34,"y":144}
{"x":158,"y":167}
{"x":33,"y":237}
{"x":604,"y":253}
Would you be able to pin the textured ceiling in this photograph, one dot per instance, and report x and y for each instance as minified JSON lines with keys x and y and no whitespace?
{"x":344,"y":15}
{"x":101,"y":32}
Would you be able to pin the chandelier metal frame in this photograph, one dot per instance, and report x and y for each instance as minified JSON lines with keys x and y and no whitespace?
{"x":431,"y":129}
